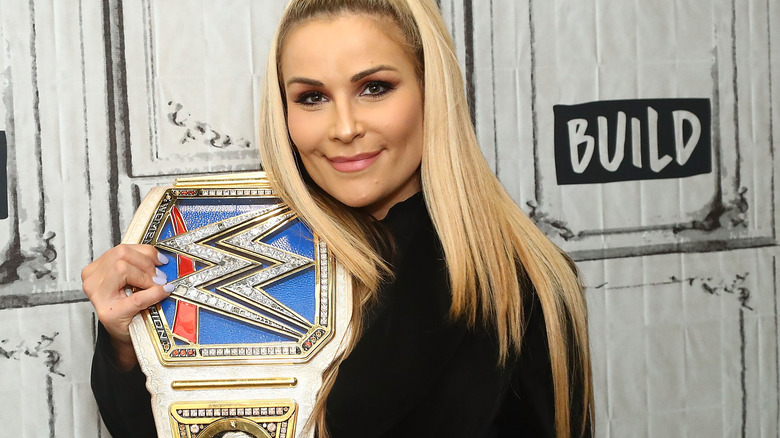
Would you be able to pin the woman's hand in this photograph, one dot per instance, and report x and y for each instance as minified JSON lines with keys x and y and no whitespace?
{"x":104,"y":281}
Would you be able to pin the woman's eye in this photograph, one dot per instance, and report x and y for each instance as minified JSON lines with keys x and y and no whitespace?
{"x":376,"y":88}
{"x":311,"y":98}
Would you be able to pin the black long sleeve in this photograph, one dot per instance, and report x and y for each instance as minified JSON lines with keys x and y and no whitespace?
{"x":414,"y":372}
{"x":122,"y":398}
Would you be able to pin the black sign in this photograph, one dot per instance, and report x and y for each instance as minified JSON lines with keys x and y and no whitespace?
{"x":3,"y":178}
{"x":627,"y":140}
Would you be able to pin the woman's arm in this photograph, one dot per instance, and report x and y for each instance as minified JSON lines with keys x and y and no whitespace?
{"x":117,"y":381}
{"x":104,"y":281}
{"x":121,"y":395}
{"x":528,"y":408}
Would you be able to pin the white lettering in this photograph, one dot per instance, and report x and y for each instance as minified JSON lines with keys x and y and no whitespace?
{"x":657,"y":163}
{"x":685,"y":149}
{"x":636,"y":142}
{"x":577,"y":136}
{"x":620,"y":142}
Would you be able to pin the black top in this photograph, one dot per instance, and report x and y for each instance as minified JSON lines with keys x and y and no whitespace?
{"x":414,"y":371}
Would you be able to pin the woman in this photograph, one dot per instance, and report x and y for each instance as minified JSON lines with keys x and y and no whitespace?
{"x":467,"y":319}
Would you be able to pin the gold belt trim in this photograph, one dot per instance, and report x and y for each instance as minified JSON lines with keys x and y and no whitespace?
{"x":190,"y":385}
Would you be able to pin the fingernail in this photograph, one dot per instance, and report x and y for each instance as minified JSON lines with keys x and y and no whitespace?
{"x":161,"y":257}
{"x":161,"y":274}
{"x":168,"y":288}
{"x":159,"y":280}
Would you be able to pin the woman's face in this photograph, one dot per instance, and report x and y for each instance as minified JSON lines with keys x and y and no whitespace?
{"x":355,"y":109}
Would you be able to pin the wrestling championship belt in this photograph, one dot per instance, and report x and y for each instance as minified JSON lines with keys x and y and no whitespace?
{"x":258,"y":311}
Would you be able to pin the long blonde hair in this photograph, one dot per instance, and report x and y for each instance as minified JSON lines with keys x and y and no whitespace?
{"x":469,"y":208}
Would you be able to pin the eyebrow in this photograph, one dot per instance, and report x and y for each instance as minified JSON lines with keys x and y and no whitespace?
{"x":305,"y":81}
{"x":356,"y":77}
{"x":370,"y":71}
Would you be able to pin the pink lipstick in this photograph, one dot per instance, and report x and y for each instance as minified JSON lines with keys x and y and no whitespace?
{"x":355,"y":163}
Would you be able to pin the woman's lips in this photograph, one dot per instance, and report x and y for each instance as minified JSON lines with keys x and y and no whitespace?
{"x":355,"y":163}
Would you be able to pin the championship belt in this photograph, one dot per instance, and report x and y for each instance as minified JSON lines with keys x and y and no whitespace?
{"x":259,"y":309}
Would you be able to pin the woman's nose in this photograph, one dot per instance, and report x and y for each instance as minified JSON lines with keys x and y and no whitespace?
{"x":346,"y":125}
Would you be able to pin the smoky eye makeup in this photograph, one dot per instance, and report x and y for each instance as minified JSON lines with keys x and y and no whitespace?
{"x":377,"y":88}
{"x":310,"y":98}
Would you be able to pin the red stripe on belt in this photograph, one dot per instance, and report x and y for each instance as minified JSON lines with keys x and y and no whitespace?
{"x":186,"y":323}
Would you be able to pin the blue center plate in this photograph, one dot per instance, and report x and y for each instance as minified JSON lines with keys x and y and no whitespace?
{"x":251,"y":281}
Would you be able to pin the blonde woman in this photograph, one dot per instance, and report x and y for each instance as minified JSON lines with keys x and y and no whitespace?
{"x":468,"y":321}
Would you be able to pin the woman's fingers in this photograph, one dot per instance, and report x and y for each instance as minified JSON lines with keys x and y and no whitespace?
{"x":151,"y":252}
{"x":109,"y":284}
{"x":135,"y":265}
{"x":125,"y":273}
{"x":105,"y":279}
{"x":125,"y":308}
{"x":104,"y":282}
{"x":118,"y":315}
{"x":145,"y":257}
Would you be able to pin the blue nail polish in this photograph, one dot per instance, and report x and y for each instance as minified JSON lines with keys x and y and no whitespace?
{"x":159,"y":280}
{"x":161,"y":257}
{"x":168,"y":288}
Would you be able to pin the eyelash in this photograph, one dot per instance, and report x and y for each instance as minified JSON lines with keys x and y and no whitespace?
{"x":302,"y":99}
{"x":386,"y":87}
